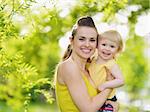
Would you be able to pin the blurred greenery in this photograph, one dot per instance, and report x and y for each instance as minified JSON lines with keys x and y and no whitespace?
{"x":35,"y":107}
{"x":29,"y":51}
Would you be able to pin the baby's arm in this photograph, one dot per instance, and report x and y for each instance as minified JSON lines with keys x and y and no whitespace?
{"x":116,"y":82}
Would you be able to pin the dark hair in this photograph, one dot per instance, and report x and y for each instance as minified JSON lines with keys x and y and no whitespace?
{"x":83,"y":21}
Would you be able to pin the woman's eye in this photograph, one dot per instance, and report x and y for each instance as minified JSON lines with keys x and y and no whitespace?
{"x":92,"y":40}
{"x":81,"y":39}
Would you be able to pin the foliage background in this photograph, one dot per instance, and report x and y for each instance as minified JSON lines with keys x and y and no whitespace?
{"x":29,"y":51}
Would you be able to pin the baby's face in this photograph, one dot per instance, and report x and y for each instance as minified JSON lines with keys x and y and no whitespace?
{"x":107,"y":49}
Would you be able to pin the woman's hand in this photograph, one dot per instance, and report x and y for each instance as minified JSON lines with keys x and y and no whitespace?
{"x":114,"y":104}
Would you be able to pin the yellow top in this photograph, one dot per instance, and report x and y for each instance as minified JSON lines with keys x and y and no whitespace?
{"x":98,"y":73}
{"x":64,"y":99}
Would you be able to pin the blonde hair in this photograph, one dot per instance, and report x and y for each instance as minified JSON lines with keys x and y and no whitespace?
{"x":114,"y":36}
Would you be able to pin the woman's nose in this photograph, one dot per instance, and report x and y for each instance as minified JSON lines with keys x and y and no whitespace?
{"x":87,"y":43}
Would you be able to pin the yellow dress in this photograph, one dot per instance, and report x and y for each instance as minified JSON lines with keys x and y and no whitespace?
{"x":98,"y":73}
{"x":64,"y":99}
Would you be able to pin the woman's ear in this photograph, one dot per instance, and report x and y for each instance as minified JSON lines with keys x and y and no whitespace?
{"x":71,"y":39}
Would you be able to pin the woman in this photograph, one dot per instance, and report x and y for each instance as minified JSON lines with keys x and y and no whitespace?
{"x":75,"y":90}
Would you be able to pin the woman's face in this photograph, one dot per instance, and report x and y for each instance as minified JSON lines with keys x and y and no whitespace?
{"x":84,"y":42}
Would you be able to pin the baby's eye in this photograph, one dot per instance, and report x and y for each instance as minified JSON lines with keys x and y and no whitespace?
{"x":103,"y":44}
{"x":112,"y":46}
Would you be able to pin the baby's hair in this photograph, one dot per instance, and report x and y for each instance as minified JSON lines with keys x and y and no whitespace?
{"x":114,"y":36}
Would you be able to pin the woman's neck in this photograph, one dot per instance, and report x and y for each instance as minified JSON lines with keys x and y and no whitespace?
{"x":79,"y":61}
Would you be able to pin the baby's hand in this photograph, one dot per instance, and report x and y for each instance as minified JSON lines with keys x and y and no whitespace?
{"x":101,"y":87}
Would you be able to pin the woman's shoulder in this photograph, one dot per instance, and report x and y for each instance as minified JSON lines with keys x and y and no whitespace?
{"x":64,"y":70}
{"x":67,"y":70}
{"x":67,"y":67}
{"x":67,"y":64}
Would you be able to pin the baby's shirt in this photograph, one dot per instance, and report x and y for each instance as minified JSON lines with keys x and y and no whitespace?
{"x":98,"y":72}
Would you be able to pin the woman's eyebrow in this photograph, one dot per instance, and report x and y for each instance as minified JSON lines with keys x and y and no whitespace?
{"x":82,"y":36}
{"x":93,"y":37}
{"x":85,"y":37}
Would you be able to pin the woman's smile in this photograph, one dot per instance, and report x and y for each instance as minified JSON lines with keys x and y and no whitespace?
{"x":86,"y":50}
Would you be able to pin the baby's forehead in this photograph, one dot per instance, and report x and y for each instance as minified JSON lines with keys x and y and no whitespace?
{"x":106,"y":40}
{"x":108,"y":37}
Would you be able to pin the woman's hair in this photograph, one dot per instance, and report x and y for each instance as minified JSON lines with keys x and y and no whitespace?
{"x":83,"y":21}
{"x":114,"y":36}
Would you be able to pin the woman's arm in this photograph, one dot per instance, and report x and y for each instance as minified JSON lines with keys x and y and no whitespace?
{"x":116,"y":82}
{"x":71,"y":77}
